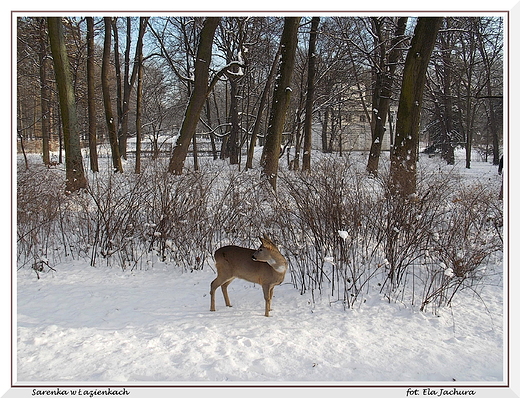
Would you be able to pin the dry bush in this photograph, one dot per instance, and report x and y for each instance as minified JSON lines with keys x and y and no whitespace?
{"x":464,"y":239}
{"x":152,"y":216}
{"x":421,"y":249}
{"x":344,"y":234}
{"x":315,"y":208}
{"x":39,"y":216}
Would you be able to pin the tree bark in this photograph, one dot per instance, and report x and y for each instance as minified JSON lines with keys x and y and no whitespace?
{"x":139,"y":100}
{"x":91,"y":97}
{"x":45,"y":92}
{"x":119,"y":84}
{"x":447,"y":148}
{"x":403,"y":165}
{"x":493,"y":122}
{"x":381,"y":105}
{"x":324,"y":130}
{"x":233,"y":144}
{"x":198,"y":96}
{"x":73,"y":161}
{"x":281,"y":99}
{"x":127,"y":90}
{"x":261,"y":107}
{"x":469,"y":112}
{"x":309,"y":101}
{"x":109,"y":115}
{"x":211,"y":133}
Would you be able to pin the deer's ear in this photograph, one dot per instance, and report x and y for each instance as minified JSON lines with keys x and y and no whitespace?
{"x":266,"y":242}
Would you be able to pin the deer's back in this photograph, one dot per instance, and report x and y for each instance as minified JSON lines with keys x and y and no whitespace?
{"x":238,"y":261}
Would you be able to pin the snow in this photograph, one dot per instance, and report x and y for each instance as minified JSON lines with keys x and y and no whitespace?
{"x":343,"y":234}
{"x":102,"y":324}
{"x":107,"y":326}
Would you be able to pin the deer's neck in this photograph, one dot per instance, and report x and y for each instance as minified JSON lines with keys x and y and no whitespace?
{"x":278,"y":263}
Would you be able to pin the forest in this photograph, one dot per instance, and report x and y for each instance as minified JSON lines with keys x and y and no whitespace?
{"x":369,"y":148}
{"x":157,"y":139}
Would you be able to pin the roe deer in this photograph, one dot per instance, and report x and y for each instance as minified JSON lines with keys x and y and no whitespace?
{"x":265,"y":266}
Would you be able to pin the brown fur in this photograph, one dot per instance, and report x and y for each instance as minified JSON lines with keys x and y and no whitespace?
{"x":265,"y":266}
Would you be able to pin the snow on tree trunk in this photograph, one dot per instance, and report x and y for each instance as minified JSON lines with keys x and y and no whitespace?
{"x":281,"y":99}
{"x":404,"y":153}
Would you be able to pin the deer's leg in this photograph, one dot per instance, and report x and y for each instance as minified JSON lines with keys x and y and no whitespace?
{"x":271,"y":291}
{"x":225,"y":293}
{"x":214,"y":285}
{"x":219,"y":281}
{"x":268,"y":294}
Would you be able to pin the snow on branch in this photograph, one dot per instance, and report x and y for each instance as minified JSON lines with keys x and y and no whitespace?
{"x":225,"y":70}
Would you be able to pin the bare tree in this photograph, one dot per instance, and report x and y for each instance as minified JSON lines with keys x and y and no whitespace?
{"x":45,"y":91}
{"x":231,"y":38}
{"x":404,"y":155}
{"x":143,"y":21}
{"x":281,"y":98}
{"x":73,"y":160}
{"x":260,"y":111}
{"x":490,"y":48}
{"x":309,"y":102}
{"x":109,"y":115}
{"x":126,"y":77}
{"x":91,"y":96}
{"x":198,"y":96}
{"x":383,"y":89}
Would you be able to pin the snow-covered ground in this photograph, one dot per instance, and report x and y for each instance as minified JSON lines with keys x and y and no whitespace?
{"x":105,"y":325}
{"x":102,"y":325}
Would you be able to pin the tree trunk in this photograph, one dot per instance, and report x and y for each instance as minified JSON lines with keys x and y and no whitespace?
{"x":195,"y":153}
{"x":280,"y":104}
{"x":404,"y":155}
{"x":233,"y":144}
{"x":20,"y":128}
{"x":73,"y":160}
{"x":119,"y":85}
{"x":447,"y":148}
{"x":109,"y":115}
{"x":494,"y":127}
{"x":198,"y":95}
{"x":381,"y":107}
{"x":211,"y":133}
{"x":261,"y":107}
{"x":91,"y":97}
{"x":45,"y":92}
{"x":309,"y":101}
{"x":127,"y":89}
{"x":139,"y":100}
{"x":324,"y":130}
{"x":60,"y":140}
{"x":467,"y":113}
{"x":138,"y":130}
{"x":492,"y":118}
{"x":296,"y":128}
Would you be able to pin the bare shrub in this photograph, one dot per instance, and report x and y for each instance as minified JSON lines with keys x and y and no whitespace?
{"x":316,"y":207}
{"x":178,"y":214}
{"x":152,"y":216}
{"x":347,"y":233}
{"x":114,"y":215}
{"x":408,"y":224}
{"x":464,"y":238}
{"x":40,"y":202}
{"x":343,"y":234}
